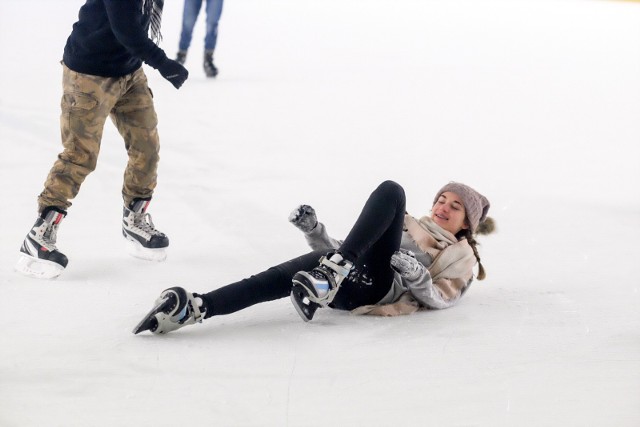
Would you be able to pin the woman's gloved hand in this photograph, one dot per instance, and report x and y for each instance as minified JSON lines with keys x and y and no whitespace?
{"x":304,"y":218}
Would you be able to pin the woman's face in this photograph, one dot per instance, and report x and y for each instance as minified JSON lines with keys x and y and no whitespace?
{"x":449,"y":213}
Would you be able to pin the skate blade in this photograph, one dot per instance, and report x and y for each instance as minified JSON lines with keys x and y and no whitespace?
{"x":309,"y":291}
{"x":38,"y":268}
{"x":147,"y":321}
{"x":136,"y":250}
{"x":305,"y":308}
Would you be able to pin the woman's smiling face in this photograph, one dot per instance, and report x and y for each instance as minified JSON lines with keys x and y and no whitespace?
{"x":449,"y":213}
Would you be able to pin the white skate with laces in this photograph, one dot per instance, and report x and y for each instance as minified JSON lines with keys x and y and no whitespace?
{"x":144,"y":241}
{"x":39,"y":256}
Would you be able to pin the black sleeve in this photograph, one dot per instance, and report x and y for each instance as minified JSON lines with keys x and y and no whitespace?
{"x":125,"y":18}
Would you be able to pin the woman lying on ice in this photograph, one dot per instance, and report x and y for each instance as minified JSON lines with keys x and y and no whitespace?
{"x":390,"y":263}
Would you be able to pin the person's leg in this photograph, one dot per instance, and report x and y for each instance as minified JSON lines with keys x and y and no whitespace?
{"x":189,"y":17}
{"x":269,"y":285}
{"x":373,"y":239}
{"x":379,"y":226}
{"x":135,"y":117}
{"x":86,"y":102}
{"x":214,"y":11}
{"x":176,"y":307}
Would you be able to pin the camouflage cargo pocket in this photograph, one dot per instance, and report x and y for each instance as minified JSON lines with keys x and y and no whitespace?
{"x":82,"y":115}
{"x":78,"y":101}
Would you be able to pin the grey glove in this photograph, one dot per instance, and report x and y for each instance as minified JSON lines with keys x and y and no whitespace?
{"x":304,"y":217}
{"x":405,"y":263}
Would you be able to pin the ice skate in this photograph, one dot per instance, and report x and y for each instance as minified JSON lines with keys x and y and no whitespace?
{"x":143,"y":240}
{"x":174,"y":308}
{"x":209,"y":68}
{"x":181,"y":57}
{"x":318,"y":287}
{"x":39,"y":256}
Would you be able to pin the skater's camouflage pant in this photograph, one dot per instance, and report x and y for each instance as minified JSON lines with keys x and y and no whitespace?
{"x":87,"y":101}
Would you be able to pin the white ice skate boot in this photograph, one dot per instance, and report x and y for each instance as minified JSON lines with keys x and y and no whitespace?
{"x":39,"y":256}
{"x":174,"y":308}
{"x":318,"y":287}
{"x":143,"y":240}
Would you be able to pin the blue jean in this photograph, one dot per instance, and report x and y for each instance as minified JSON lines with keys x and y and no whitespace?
{"x":189,"y":17}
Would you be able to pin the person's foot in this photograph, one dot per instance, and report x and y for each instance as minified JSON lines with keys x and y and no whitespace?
{"x":39,"y":256}
{"x":318,"y":287}
{"x":303,"y":305}
{"x":145,"y":241}
{"x":209,"y":68}
{"x":181,"y":57}
{"x":174,"y":308}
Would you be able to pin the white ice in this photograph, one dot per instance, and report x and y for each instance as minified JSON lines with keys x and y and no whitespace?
{"x":534,"y":103}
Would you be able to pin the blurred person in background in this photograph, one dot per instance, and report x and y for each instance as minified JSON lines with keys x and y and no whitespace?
{"x":189,"y":18}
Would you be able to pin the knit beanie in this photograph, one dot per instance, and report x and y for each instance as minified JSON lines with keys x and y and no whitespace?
{"x":476,"y":205}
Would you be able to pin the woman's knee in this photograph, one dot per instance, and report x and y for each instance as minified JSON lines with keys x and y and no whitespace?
{"x":392,"y":190}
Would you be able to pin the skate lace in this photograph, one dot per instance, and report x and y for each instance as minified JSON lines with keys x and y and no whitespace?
{"x":145,"y":223}
{"x":320,"y":274}
{"x":49,"y":237}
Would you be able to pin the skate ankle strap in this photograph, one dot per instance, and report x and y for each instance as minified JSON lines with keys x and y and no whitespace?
{"x":197,"y":313}
{"x":342,"y":270}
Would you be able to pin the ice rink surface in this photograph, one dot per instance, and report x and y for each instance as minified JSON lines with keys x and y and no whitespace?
{"x":534,"y":103}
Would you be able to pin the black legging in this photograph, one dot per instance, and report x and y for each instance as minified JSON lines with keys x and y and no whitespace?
{"x":373,"y":239}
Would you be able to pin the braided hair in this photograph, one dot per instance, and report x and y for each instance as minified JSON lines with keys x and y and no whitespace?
{"x":488,"y":226}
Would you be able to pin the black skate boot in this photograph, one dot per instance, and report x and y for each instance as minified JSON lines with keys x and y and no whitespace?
{"x":209,"y":69}
{"x":144,"y":240}
{"x":318,"y":287}
{"x":39,"y":256}
{"x":174,"y":308}
{"x":181,"y":57}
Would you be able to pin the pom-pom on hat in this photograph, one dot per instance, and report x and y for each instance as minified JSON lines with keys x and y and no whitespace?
{"x":476,"y":205}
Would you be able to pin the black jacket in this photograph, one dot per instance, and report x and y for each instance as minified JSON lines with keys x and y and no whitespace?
{"x":110,"y":39}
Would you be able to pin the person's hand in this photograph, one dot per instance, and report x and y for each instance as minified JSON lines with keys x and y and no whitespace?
{"x":174,"y":72}
{"x":304,"y":217}
{"x":405,"y":263}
